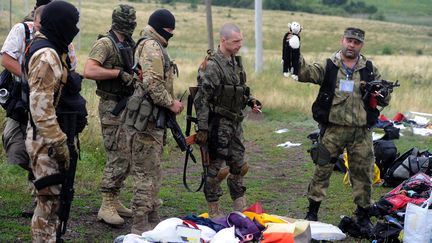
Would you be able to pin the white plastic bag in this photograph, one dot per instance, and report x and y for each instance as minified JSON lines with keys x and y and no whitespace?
{"x":418,"y":223}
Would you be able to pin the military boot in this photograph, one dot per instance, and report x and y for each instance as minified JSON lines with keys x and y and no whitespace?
{"x":312,"y":214}
{"x":363,"y":220}
{"x":122,"y":210}
{"x":239,"y":204}
{"x":108,"y":212}
{"x":214,"y":210}
{"x":140,"y":224}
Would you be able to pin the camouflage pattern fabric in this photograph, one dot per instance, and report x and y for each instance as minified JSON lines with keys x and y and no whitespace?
{"x":147,"y":147}
{"x":117,"y":165}
{"x":158,"y":75}
{"x":226,"y":147}
{"x":225,"y":136}
{"x":146,"y":153}
{"x":358,"y":143}
{"x":348,"y":108}
{"x":104,"y":52}
{"x":45,"y":72}
{"x":124,"y":19}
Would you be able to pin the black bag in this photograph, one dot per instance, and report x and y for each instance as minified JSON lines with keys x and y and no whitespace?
{"x":407,"y":165}
{"x":386,"y":233}
{"x":385,"y":153}
{"x":72,"y":101}
{"x":390,"y":132}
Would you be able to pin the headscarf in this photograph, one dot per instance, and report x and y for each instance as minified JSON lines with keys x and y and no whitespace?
{"x":124,"y":19}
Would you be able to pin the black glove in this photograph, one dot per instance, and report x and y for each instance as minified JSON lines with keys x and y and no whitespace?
{"x":201,"y":137}
{"x":126,"y":78}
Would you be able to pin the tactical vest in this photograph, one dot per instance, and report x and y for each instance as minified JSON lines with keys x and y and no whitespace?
{"x":323,"y":103}
{"x":114,"y":89}
{"x":231,"y":96}
{"x":139,"y":107}
{"x":170,"y":68}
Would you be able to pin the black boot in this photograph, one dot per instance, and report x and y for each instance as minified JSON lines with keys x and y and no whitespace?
{"x":363,"y":220}
{"x":312,"y":214}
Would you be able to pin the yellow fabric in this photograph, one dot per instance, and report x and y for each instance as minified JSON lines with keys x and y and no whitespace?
{"x":376,"y":178}
{"x":263,"y":218}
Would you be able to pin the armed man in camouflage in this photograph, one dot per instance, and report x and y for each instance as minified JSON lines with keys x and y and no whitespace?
{"x":345,"y":119}
{"x":46,"y":142}
{"x":220,"y":106}
{"x":153,"y":94}
{"x":110,"y":64}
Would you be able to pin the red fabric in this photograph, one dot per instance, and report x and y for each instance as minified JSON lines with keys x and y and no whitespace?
{"x":383,"y":118}
{"x":373,"y":102}
{"x":400,"y":201}
{"x":399,"y":117}
{"x":278,"y":237}
{"x":255,"y":208}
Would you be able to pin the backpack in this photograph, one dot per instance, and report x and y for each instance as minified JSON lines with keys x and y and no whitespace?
{"x":385,"y":152}
{"x":407,"y":165}
{"x":11,"y":91}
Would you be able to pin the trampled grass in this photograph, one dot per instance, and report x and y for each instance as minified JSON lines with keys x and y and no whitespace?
{"x":277,"y":179}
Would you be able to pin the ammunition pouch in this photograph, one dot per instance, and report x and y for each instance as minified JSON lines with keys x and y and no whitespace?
{"x":313,"y":151}
{"x":230,"y":101}
{"x":322,"y":155}
{"x":113,"y":89}
{"x":144,"y":115}
{"x":139,"y":110}
{"x":132,"y":109}
{"x":228,"y":114}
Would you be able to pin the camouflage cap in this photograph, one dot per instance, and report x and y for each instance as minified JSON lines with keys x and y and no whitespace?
{"x":354,"y":33}
{"x":124,"y":19}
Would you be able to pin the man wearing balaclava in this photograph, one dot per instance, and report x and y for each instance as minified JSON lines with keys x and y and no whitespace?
{"x":147,"y":137}
{"x":46,"y":142}
{"x":110,"y":65}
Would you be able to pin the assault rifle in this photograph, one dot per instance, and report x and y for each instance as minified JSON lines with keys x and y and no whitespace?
{"x":380,"y":87}
{"x":67,"y":122}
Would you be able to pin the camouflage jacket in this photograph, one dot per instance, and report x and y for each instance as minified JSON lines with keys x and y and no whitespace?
{"x":157,"y":68}
{"x":347,"y":108}
{"x":45,"y":72}
{"x":211,"y":76}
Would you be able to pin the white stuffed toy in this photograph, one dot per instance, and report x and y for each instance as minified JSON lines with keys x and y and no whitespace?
{"x":291,"y":50}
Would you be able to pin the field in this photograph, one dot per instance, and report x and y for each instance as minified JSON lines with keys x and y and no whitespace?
{"x":278,"y":177}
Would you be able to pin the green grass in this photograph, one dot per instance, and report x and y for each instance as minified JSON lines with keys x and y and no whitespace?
{"x":278,"y":177}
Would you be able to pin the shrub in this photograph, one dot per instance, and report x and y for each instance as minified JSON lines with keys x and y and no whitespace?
{"x":387,"y":50}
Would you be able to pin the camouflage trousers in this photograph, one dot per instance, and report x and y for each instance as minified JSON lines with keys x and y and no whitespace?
{"x":225,"y":144}
{"x":358,"y":143}
{"x":145,"y":152}
{"x":45,"y":220}
{"x":117,"y":165}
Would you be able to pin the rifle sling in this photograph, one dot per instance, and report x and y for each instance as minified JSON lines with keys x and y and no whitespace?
{"x":189,"y":120}
{"x":46,"y":181}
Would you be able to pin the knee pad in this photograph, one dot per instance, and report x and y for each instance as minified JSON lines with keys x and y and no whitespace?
{"x":242,"y":170}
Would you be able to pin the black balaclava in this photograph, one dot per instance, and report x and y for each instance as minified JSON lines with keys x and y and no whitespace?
{"x":58,"y":24}
{"x":42,"y":2}
{"x":160,"y":19}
